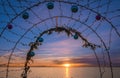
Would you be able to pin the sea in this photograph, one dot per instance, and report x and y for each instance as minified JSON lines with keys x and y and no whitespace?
{"x":61,"y":72}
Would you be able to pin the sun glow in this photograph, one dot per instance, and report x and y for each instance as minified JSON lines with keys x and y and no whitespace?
{"x":66,"y":65}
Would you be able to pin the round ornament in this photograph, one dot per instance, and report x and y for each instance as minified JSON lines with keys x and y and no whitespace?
{"x":40,"y":39}
{"x":98,"y":17}
{"x":75,"y":36}
{"x":25,"y":15}
{"x":9,"y":26}
{"x":74,"y":8}
{"x":31,"y":54}
{"x":50,"y":5}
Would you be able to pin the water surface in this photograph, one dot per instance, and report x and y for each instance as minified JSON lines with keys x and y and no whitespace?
{"x":59,"y":72}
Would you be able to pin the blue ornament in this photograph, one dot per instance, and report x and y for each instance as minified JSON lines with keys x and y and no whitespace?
{"x":25,"y":15}
{"x":50,"y":5}
{"x":40,"y":39}
{"x":31,"y":54}
{"x":75,"y":36}
{"x":74,"y":8}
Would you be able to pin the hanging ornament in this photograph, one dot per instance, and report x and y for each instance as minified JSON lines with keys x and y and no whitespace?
{"x":31,"y":54}
{"x":74,"y":8}
{"x":9,"y":26}
{"x":50,"y":5}
{"x":75,"y":36}
{"x":40,"y":39}
{"x":25,"y":15}
{"x":98,"y":17}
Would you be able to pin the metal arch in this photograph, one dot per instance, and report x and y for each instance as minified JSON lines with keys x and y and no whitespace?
{"x":69,"y":17}
{"x":63,"y":17}
{"x":67,"y":30}
{"x":37,"y":4}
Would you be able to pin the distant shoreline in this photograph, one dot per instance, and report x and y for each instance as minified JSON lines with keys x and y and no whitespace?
{"x":58,"y":66}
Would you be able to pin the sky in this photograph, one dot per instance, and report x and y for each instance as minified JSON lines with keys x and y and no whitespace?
{"x":58,"y":48}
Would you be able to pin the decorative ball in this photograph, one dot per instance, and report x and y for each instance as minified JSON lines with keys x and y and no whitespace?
{"x":40,"y":39}
{"x":25,"y":15}
{"x":74,"y":8}
{"x":50,"y":5}
{"x":9,"y":26}
{"x":75,"y":36}
{"x":31,"y":54}
{"x":98,"y":17}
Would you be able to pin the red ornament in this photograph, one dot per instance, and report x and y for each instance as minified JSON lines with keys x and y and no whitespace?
{"x":9,"y":26}
{"x":98,"y":17}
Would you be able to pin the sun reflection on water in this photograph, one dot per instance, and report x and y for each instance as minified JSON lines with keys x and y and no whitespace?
{"x":67,"y":72}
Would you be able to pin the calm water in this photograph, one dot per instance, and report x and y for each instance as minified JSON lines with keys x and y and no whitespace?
{"x":54,"y":72}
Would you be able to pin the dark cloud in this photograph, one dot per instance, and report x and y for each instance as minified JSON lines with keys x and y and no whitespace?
{"x":88,"y":60}
{"x":91,"y":61}
{"x":58,"y":61}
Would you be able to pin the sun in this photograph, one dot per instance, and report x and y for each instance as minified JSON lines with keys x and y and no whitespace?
{"x":66,"y":65}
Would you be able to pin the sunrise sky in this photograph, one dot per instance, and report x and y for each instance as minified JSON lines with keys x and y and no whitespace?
{"x":57,"y":49}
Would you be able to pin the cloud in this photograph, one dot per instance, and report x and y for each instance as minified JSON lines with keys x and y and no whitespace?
{"x":88,"y":60}
{"x":61,"y":52}
{"x":85,"y":59}
{"x":16,"y":57}
{"x":64,"y":47}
